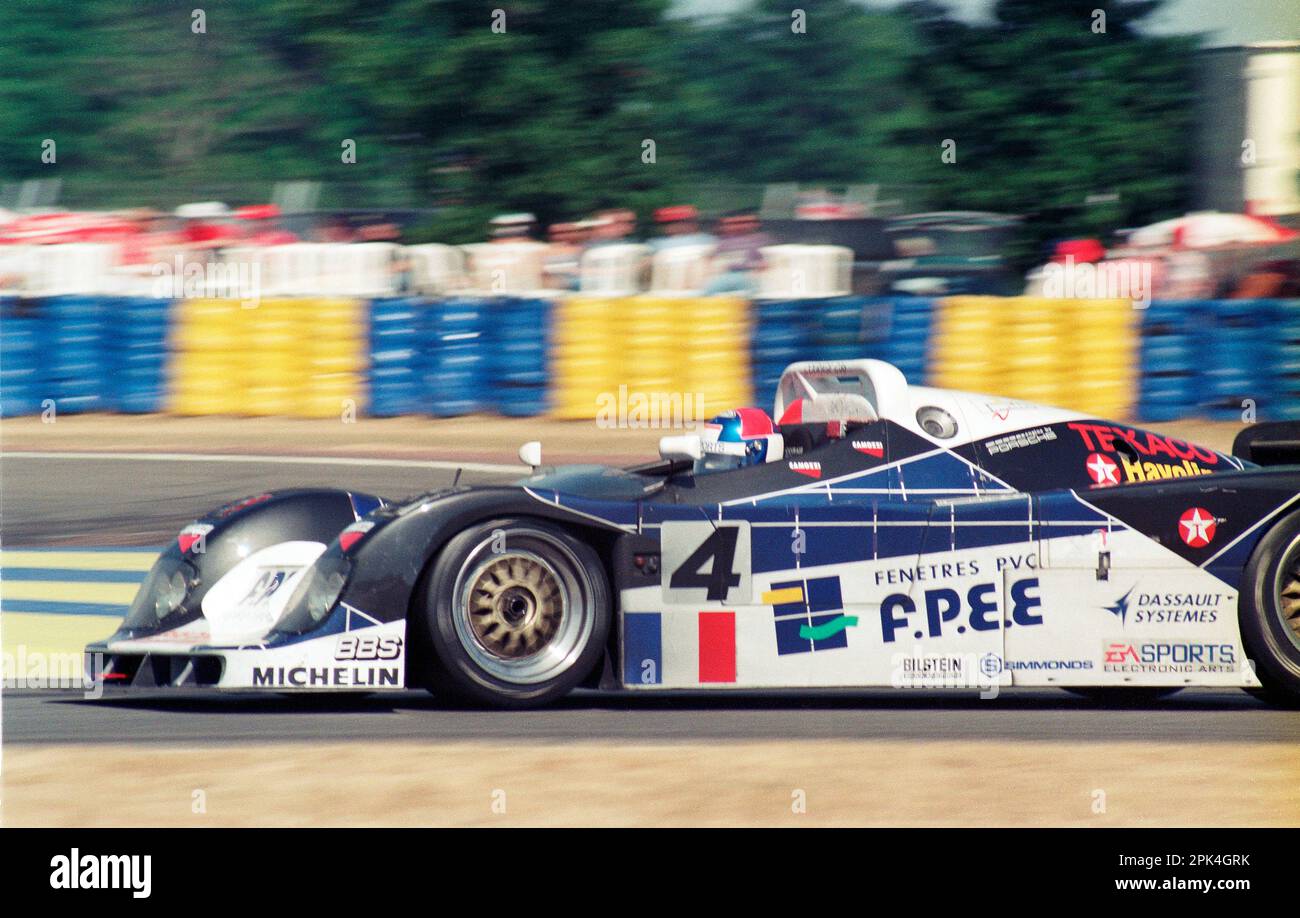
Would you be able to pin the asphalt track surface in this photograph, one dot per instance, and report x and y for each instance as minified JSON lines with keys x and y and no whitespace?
{"x":1199,"y":717}
{"x":120,"y":501}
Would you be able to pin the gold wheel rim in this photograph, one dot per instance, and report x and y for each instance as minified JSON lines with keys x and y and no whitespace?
{"x":1288,"y":596}
{"x":515,"y":607}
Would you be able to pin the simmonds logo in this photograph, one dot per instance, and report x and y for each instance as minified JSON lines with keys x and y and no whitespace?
{"x":102,"y":871}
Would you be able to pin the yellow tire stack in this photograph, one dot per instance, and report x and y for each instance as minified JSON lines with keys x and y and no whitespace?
{"x":206,"y":366}
{"x":282,"y":357}
{"x":660,"y":348}
{"x":1079,"y":354}
{"x":585,"y":354}
{"x":1103,"y":356}
{"x":335,"y":361}
{"x":272,"y":351}
{"x":1031,"y":350}
{"x":967,"y":338}
{"x":715,"y":366}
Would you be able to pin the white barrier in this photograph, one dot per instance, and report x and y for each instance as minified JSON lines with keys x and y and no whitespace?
{"x":797,"y":271}
{"x":612,"y":270}
{"x":436,"y":268}
{"x":681,"y":269}
{"x":505,"y":267}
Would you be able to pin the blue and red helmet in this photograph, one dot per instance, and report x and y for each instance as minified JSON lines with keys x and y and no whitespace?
{"x":738,"y":438}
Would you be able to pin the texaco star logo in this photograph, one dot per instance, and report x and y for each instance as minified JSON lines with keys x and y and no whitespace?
{"x":1196,"y":526}
{"x":1102,"y":470}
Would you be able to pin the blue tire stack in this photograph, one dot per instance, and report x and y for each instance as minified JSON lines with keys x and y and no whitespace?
{"x":1285,"y":371}
{"x":78,"y":358}
{"x":455,"y":364}
{"x":21,"y":379}
{"x":395,"y":356}
{"x":909,"y":336}
{"x":1169,"y":360}
{"x":1236,"y":357}
{"x":848,"y":328}
{"x":138,"y":353}
{"x":517,"y":356}
{"x":782,"y":336}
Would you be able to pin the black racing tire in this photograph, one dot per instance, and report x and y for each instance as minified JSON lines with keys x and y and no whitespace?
{"x":1269,"y":612}
{"x":515,"y":612}
{"x":1124,"y":696}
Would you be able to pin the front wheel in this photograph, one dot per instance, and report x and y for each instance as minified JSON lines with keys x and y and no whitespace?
{"x":1269,"y":613}
{"x":517,"y":613}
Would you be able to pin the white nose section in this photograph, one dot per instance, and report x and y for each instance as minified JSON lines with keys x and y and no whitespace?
{"x":251,"y":597}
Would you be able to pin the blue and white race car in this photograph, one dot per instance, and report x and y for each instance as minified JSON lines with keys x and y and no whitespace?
{"x":876,"y":534}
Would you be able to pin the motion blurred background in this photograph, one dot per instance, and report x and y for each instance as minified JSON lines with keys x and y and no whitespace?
{"x":278,"y":207}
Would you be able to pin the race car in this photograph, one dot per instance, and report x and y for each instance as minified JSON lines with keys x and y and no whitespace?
{"x":876,"y":534}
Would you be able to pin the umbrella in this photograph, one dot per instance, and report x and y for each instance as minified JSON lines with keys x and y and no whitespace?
{"x":1209,"y":229}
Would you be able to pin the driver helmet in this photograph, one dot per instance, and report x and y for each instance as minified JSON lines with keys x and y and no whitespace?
{"x":735,"y":439}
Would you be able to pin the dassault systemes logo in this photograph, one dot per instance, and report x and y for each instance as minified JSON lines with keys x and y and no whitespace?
{"x":1120,"y":607}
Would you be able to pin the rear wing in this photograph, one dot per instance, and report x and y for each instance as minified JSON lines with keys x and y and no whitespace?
{"x":1273,"y":443}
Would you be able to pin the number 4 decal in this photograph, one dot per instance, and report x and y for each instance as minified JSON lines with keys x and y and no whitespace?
{"x":706,"y":563}
{"x":721,"y":548}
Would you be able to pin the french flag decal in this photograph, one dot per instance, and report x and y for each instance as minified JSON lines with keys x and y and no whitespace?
{"x":717,"y":647}
{"x":811,"y":469}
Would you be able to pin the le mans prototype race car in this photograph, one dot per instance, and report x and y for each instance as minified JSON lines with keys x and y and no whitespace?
{"x":880,"y":535}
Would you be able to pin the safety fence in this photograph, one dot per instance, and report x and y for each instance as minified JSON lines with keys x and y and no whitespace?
{"x":631,"y":358}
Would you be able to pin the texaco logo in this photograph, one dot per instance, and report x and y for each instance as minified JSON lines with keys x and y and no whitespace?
{"x":1102,"y":470}
{"x":1196,"y":527}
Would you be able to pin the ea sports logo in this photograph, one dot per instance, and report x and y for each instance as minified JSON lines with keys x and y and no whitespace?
{"x":1102,"y":470}
{"x":1196,"y":527}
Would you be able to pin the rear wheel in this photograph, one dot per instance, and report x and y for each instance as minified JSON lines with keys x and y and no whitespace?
{"x":516,"y":613}
{"x":1269,"y":613}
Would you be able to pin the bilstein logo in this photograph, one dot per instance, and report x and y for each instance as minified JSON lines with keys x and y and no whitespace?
{"x":811,"y":469}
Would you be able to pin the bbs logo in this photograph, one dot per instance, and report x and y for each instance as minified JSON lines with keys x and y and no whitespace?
{"x":368,"y":647}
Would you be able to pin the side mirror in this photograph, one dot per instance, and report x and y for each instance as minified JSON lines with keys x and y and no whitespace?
{"x":684,"y":447}
{"x":530,"y":453}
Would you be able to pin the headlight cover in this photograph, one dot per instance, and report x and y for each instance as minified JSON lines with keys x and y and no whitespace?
{"x":170,"y":582}
{"x":316,"y":594}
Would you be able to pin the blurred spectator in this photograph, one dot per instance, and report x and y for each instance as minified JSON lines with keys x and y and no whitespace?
{"x":680,"y":225}
{"x":1189,"y":274}
{"x":378,"y":232}
{"x":150,"y":233}
{"x":335,"y":230}
{"x":205,"y":225}
{"x":513,"y":227}
{"x":262,"y":227}
{"x":560,"y":269}
{"x":738,"y":258}
{"x":1278,"y":279}
{"x":612,"y":227}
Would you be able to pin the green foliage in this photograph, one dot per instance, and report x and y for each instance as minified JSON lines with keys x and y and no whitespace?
{"x":550,"y":114}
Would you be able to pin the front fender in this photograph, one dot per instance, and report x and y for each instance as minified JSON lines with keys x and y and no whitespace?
{"x":388,"y":563}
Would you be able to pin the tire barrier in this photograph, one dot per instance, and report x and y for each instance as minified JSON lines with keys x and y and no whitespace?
{"x":139,"y":354}
{"x":1078,"y":354}
{"x":22,"y":376}
{"x":652,"y":360}
{"x":286,"y":357}
{"x":568,"y":357}
{"x":78,"y":363}
{"x":894,"y":329}
{"x":458,"y":356}
{"x":395,"y":379}
{"x":1285,"y":377}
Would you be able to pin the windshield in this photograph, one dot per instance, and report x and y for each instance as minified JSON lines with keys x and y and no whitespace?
{"x":717,"y":462}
